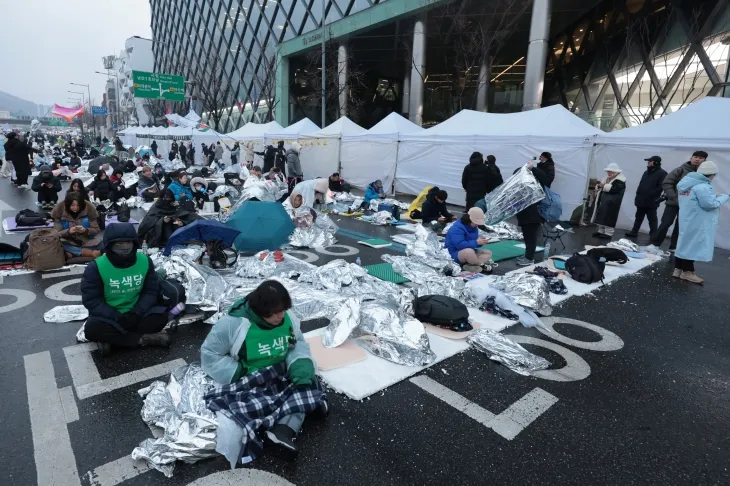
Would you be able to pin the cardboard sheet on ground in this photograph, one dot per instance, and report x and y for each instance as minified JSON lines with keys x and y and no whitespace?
{"x":362,"y":379}
{"x":327,"y":359}
{"x":10,"y":225}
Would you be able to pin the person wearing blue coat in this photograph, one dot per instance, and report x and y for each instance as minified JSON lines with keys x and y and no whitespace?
{"x":180,"y":187}
{"x":699,"y":212}
{"x":374,"y":191}
{"x":463,"y":242}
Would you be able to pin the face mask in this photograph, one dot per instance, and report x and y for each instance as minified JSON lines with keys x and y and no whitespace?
{"x":123,"y":248}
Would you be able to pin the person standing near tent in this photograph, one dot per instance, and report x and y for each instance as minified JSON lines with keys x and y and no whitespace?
{"x":547,"y":166}
{"x":494,"y":178}
{"x":294,"y":166}
{"x":671,"y":206}
{"x":184,"y":154}
{"x":218,"y":155}
{"x":153,"y":147}
{"x":235,"y":152}
{"x":280,"y":161}
{"x":699,"y":212}
{"x":474,"y":180}
{"x":269,"y":155}
{"x":18,"y":152}
{"x":248,"y":147}
{"x":647,"y":195}
{"x":191,"y":153}
{"x":611,"y":191}
{"x":5,"y":170}
{"x":529,"y":221}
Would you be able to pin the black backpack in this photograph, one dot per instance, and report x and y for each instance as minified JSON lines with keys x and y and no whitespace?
{"x":442,"y":311}
{"x":585,"y":269}
{"x":28,"y":217}
{"x":610,"y":254}
{"x":124,"y":213}
{"x":171,"y":292}
{"x":219,"y":255}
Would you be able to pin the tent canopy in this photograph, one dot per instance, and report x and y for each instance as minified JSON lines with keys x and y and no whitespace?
{"x":292,"y":131}
{"x":389,"y":128}
{"x":701,"y":125}
{"x":254,"y":131}
{"x":342,"y":127}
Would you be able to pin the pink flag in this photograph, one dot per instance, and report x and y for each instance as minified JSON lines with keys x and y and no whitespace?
{"x":67,"y":113}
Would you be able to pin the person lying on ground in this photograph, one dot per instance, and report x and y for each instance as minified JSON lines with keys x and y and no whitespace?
{"x":164,"y":217}
{"x":47,"y":186}
{"x":434,"y":209}
{"x":374,"y":191}
{"x":120,"y":291}
{"x":258,"y":332}
{"x":463,"y":242}
{"x":77,"y":223}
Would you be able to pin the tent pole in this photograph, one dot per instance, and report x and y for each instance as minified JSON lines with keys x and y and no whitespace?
{"x":395,"y":169}
{"x":586,"y":197}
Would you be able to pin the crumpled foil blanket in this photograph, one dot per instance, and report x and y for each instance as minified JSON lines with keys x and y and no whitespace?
{"x":515,"y":194}
{"x":503,"y":350}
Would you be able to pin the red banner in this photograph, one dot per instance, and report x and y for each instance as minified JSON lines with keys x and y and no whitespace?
{"x":67,"y":113}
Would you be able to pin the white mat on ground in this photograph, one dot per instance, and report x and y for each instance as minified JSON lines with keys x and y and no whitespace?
{"x":365,"y":378}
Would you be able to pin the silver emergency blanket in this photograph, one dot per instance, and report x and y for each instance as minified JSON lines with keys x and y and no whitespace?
{"x":376,"y":203}
{"x":624,"y":245}
{"x":178,"y":408}
{"x":263,"y":190}
{"x":310,"y":232}
{"x":342,"y":196}
{"x":263,"y":265}
{"x":427,"y":249}
{"x":81,"y":334}
{"x":226,"y":191}
{"x":480,"y":289}
{"x":503,"y":350}
{"x":381,"y":218}
{"x":170,"y":165}
{"x":653,"y":250}
{"x":515,"y":194}
{"x":356,"y":204}
{"x":503,"y":231}
{"x":528,"y":290}
{"x":203,"y":285}
{"x":66,"y":313}
{"x":427,"y":280}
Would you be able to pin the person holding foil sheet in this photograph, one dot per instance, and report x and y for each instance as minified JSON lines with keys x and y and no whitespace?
{"x":256,"y":333}
{"x":529,"y":219}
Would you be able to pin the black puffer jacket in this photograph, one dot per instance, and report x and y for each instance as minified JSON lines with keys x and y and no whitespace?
{"x":474,"y":179}
{"x":650,"y":188}
{"x":432,"y":209}
{"x":531,"y":214}
{"x":18,"y":153}
{"x":548,"y":168}
{"x":102,"y":189}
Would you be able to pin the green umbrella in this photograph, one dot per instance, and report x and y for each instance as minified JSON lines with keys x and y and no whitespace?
{"x":263,"y":226}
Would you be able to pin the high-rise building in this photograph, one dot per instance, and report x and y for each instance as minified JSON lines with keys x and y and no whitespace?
{"x":614,"y":63}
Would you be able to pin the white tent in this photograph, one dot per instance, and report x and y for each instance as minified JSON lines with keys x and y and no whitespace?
{"x":699,"y":126}
{"x":292,"y":132}
{"x":373,"y":154}
{"x":208,"y":137}
{"x":437,"y":156}
{"x":128,"y":136}
{"x":252,"y":137}
{"x":320,"y":155}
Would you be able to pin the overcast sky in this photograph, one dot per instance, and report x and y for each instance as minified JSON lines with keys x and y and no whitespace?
{"x":46,"y":44}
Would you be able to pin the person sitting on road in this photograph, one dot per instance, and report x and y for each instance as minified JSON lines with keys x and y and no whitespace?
{"x":101,"y":187}
{"x":120,"y":291}
{"x":337,"y":184}
{"x":199,"y":187}
{"x":75,"y":161}
{"x":258,"y":332}
{"x":47,"y":186}
{"x":374,"y":191}
{"x":119,"y":191}
{"x":77,"y":185}
{"x":434,"y":209}
{"x":179,"y":186}
{"x":77,"y":223}
{"x":148,"y":187}
{"x":463,"y":242}
{"x":164,"y":217}
{"x":255,"y":173}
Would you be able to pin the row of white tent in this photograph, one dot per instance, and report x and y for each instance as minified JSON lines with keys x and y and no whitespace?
{"x":409,"y":157}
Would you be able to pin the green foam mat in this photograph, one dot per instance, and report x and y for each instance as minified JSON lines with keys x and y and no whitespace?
{"x":384,"y":271}
{"x":504,"y":250}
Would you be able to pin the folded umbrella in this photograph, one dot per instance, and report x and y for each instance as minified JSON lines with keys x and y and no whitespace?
{"x":202,"y":230}
{"x":263,"y":226}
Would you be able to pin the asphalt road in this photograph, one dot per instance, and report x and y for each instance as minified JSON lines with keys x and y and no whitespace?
{"x":652,"y":412}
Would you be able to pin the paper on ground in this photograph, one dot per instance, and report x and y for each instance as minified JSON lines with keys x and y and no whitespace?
{"x":362,"y":379}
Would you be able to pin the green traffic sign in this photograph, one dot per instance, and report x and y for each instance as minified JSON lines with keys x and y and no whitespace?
{"x":57,"y":123}
{"x":158,"y":86}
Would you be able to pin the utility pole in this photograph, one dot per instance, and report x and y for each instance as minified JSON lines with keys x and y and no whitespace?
{"x":324,"y":73}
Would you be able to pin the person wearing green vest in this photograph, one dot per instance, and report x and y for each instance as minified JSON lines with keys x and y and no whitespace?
{"x":120,"y":290}
{"x":258,"y":332}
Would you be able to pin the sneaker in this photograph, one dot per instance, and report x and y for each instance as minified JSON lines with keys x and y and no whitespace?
{"x":631,"y":234}
{"x":677,"y":272}
{"x":691,"y":277}
{"x":24,"y":186}
{"x":282,"y":438}
{"x":524,"y":262}
{"x":472,"y":268}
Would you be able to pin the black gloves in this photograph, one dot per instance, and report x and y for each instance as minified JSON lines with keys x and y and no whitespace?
{"x":129,"y":320}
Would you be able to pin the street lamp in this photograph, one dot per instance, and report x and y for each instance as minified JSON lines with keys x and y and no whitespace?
{"x":116,"y":94}
{"x":88,"y":89}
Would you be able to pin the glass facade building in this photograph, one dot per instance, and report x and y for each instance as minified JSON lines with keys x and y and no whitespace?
{"x":615,"y":63}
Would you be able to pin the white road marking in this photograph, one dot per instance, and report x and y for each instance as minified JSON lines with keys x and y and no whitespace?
{"x":238,"y":477}
{"x":65,"y":272}
{"x":114,"y":383}
{"x":350,"y":250}
{"x":81,"y":364}
{"x":575,"y":369}
{"x":56,"y":292}
{"x":68,"y":402}
{"x":113,"y":473}
{"x":309,"y":257}
{"x":24,"y":297}
{"x":609,"y":341}
{"x":54,"y":458}
{"x":509,"y":423}
{"x":5,"y":206}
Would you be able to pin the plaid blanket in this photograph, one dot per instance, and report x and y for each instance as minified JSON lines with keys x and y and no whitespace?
{"x":259,"y":400}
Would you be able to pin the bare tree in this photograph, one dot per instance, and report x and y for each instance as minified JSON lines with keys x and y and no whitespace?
{"x":474,"y":32}
{"x":215,"y":94}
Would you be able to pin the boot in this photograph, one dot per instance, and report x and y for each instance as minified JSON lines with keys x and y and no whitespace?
{"x":282,"y":438}
{"x":691,"y":277}
{"x":677,"y":272}
{"x":159,"y":339}
{"x":632,"y":234}
{"x":85,"y":252}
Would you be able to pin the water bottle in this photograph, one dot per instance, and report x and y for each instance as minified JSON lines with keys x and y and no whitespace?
{"x":358,"y":262}
{"x":547,"y":249}
{"x":145,"y":249}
